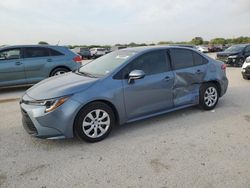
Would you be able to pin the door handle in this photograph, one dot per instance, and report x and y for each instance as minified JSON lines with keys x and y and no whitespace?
{"x":49,"y":60}
{"x":167,"y":78}
{"x":19,"y":63}
{"x":198,"y":71}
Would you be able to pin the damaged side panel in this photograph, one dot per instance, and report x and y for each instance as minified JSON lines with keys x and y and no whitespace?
{"x":187,"y":84}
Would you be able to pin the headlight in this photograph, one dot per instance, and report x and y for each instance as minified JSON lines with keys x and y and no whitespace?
{"x":233,"y":57}
{"x":248,"y":60}
{"x":50,"y":104}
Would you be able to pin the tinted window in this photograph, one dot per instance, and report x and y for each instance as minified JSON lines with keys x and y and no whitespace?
{"x":36,"y":52}
{"x":151,"y":63}
{"x":10,"y":54}
{"x":54,"y":52}
{"x":198,"y":59}
{"x":247,"y":49}
{"x":181,"y":58}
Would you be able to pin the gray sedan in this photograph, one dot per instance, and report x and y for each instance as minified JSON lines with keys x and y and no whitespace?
{"x":121,"y":87}
{"x":29,"y":64}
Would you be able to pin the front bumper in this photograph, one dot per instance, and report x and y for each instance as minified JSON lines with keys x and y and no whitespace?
{"x":54,"y":125}
{"x":245,"y":71}
{"x":229,"y":61}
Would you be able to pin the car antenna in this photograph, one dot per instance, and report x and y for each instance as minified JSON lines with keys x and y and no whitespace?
{"x":58,"y":42}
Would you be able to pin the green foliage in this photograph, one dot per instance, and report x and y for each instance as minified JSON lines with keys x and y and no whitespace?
{"x":197,"y":41}
{"x":218,"y":41}
{"x":194,"y":41}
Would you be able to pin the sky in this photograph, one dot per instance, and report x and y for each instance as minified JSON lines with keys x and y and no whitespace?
{"x":120,"y":21}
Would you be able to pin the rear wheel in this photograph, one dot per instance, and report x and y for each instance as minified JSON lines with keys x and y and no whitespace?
{"x":209,"y":96}
{"x":59,"y":71}
{"x":94,"y":122}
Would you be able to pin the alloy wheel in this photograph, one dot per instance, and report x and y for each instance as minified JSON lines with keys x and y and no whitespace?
{"x":96,"y":123}
{"x":211,"y":96}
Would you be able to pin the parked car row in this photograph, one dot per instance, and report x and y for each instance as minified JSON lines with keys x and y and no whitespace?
{"x":91,"y":53}
{"x":30,"y":64}
{"x":234,"y":55}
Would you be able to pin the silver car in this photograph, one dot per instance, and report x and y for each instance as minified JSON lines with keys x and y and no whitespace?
{"x":29,"y":64}
{"x":121,"y":87}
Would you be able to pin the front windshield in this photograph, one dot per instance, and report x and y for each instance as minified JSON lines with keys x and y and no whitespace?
{"x":106,"y":64}
{"x":235,"y":48}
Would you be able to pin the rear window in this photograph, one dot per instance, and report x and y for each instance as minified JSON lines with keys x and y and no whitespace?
{"x":32,"y":52}
{"x":181,"y":58}
{"x":54,"y":52}
{"x":198,"y":59}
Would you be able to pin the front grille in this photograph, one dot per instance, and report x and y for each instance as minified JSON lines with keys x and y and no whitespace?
{"x":247,"y":70}
{"x":28,"y":124}
{"x":222,"y":58}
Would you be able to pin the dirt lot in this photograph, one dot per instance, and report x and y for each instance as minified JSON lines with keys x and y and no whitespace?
{"x":187,"y":148}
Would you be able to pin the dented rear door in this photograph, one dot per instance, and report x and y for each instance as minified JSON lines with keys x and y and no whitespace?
{"x":189,"y":73}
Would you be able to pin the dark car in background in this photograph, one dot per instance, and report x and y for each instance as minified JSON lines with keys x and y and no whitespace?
{"x":235,"y":55}
{"x":29,"y":64}
{"x":83,"y":52}
{"x":215,"y":48}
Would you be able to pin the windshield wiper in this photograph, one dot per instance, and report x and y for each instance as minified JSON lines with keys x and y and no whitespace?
{"x":86,"y":74}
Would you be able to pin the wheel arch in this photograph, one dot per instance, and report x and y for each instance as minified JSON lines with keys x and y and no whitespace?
{"x":57,"y":67}
{"x":110,"y":104}
{"x":217,"y":83}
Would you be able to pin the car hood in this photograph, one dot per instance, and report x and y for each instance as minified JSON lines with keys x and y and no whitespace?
{"x":61,"y":85}
{"x":226,"y":54}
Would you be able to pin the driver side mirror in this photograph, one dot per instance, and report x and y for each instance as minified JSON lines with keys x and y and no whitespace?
{"x":135,"y":75}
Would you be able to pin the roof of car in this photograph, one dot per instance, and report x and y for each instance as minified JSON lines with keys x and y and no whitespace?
{"x":23,"y":46}
{"x":149,"y":48}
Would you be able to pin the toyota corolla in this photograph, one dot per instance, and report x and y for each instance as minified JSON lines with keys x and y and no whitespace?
{"x":121,"y":87}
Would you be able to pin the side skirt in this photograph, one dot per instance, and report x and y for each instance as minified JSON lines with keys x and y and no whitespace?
{"x":160,"y":113}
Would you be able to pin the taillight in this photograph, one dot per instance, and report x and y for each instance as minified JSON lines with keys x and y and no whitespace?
{"x":223,"y":66}
{"x":77,"y":59}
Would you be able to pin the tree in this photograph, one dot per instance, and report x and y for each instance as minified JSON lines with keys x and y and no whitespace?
{"x":221,"y":41}
{"x":165,"y":42}
{"x":197,"y":41}
{"x":43,"y":43}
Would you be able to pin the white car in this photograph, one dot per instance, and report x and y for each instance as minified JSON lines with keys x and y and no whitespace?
{"x":202,"y":49}
{"x":245,"y":69}
{"x":97,"y":52}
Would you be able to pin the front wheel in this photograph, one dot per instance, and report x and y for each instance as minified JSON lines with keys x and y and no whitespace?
{"x":59,"y":71}
{"x":94,"y":122}
{"x":209,"y":96}
{"x":245,"y":77}
{"x":241,"y":62}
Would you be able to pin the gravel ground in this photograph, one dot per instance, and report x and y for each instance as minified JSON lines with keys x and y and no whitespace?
{"x":186,"y":148}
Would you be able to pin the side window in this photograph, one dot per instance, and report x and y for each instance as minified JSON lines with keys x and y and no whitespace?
{"x":181,"y":58}
{"x":198,"y":59}
{"x":54,"y":52}
{"x":32,"y":52}
{"x":151,"y":63}
{"x":10,"y":54}
{"x":247,"y":49}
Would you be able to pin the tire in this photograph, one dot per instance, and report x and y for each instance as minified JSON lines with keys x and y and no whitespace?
{"x":59,"y":71}
{"x":245,"y":77}
{"x":209,"y":96}
{"x":90,"y":128}
{"x":241,"y":62}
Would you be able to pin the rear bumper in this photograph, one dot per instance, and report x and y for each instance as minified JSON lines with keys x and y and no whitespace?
{"x":224,"y":86}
